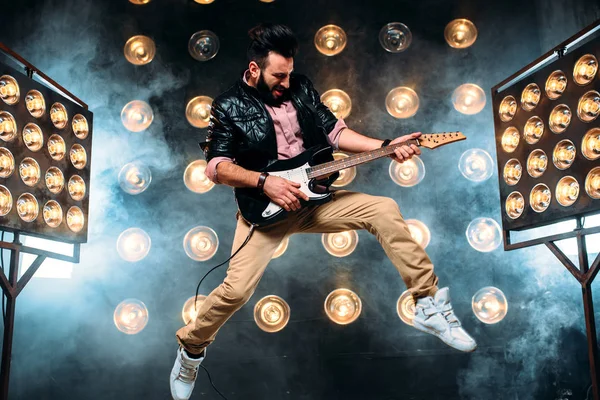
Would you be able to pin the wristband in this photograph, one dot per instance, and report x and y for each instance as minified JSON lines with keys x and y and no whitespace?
{"x":261,"y":180}
{"x":386,"y":142}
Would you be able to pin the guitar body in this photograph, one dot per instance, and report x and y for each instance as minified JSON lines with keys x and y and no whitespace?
{"x":257,"y":208}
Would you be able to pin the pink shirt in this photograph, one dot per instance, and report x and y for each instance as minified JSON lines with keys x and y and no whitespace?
{"x":287,"y":133}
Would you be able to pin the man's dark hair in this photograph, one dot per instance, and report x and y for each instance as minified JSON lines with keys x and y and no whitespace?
{"x":268,"y":37}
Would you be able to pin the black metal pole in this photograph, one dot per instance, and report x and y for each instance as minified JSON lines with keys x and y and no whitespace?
{"x":9,"y":323}
{"x":590,"y":326}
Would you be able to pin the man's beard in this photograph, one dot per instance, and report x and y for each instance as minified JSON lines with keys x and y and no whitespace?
{"x":266,"y":93}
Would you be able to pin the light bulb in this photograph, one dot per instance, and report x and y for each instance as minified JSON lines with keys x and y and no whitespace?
{"x":510,"y":139}
{"x":402,"y":102}
{"x":201,"y":243}
{"x":55,"y":180}
{"x":271,"y":313}
{"x":343,"y":306}
{"x":419,"y":232}
{"x":540,"y":197}
{"x":75,"y":219}
{"x":530,"y":97}
{"x":338,"y":102}
{"x":80,"y":126}
{"x":489,"y":305}
{"x":567,"y":191}
{"x":137,"y":115}
{"x":203,"y":45}
{"x":460,"y":33}
{"x":134,"y":177}
{"x":534,"y":129}
{"x":6,"y":201}
{"x":468,"y":99}
{"x":197,"y":111}
{"x":395,"y":37}
{"x":585,"y":69}
{"x":508,"y":108}
{"x":476,"y":165}
{"x":131,"y":316}
{"x":407,"y":173}
{"x":33,"y":137}
{"x":340,"y":244}
{"x":563,"y":154}
{"x":7,"y":163}
{"x":592,"y":183}
{"x":9,"y":90}
{"x":483,"y":234}
{"x":35,"y":103}
{"x":537,"y":162}
{"x":560,"y":118}
{"x":133,"y":244}
{"x":191,"y":307}
{"x":29,"y":170}
{"x":139,"y":50}
{"x":515,"y":204}
{"x":588,"y":108}
{"x":8,"y":127}
{"x":76,"y":187}
{"x":556,"y":85}
{"x":590,"y":144}
{"x":347,"y":175}
{"x":405,"y":307}
{"x":58,"y":115}
{"x":52,"y":213}
{"x":512,"y":172}
{"x":27,"y":207}
{"x":330,"y":40}
{"x":281,"y":248}
{"x":195,"y":179}
{"x":78,"y":156}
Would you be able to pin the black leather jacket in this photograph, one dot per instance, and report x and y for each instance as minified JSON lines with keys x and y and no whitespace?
{"x":241,"y":127}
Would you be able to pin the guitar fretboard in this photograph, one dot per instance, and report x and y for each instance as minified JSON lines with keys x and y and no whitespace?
{"x":356,"y":159}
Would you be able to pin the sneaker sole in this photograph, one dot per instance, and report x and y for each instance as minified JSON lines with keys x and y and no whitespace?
{"x":422,"y":328}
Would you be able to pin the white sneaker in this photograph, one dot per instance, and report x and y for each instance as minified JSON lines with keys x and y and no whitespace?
{"x":435,"y":315}
{"x":183,"y":375}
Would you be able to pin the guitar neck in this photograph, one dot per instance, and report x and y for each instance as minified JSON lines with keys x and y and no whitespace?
{"x":431,"y":141}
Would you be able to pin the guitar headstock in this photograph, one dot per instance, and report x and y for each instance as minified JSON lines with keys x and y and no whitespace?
{"x":433,"y":140}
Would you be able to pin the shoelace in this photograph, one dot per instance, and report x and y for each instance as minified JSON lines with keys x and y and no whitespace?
{"x":187,"y":373}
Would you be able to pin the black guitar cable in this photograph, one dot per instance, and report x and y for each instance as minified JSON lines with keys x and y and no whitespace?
{"x":252,"y":227}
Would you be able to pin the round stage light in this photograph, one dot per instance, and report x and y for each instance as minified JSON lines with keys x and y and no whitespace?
{"x":203,"y":45}
{"x":585,"y":69}
{"x":139,"y":50}
{"x":8,"y":127}
{"x":484,"y":234}
{"x":7,"y":163}
{"x":35,"y":103}
{"x":75,"y":219}
{"x":58,"y":115}
{"x":402,"y":102}
{"x":55,"y":180}
{"x":510,"y":139}
{"x":197,"y":111}
{"x":27,"y":207}
{"x":131,"y":316}
{"x":508,"y":108}
{"x":395,"y":37}
{"x":537,"y":163}
{"x":534,"y":129}
{"x":419,"y":232}
{"x":340,"y":244}
{"x":460,"y":33}
{"x":563,"y":154}
{"x":588,"y":108}
{"x":6,"y":201}
{"x":29,"y":170}
{"x":343,"y":306}
{"x":338,"y":102}
{"x":408,"y":173}
{"x":556,"y":85}
{"x":191,"y":307}
{"x":590,"y":144}
{"x":530,"y":97}
{"x":405,"y":307}
{"x":195,"y":179}
{"x":137,"y":115}
{"x":76,"y":187}
{"x":56,"y":147}
{"x":281,"y":248}
{"x":9,"y":90}
{"x":540,"y":198}
{"x":515,"y":204}
{"x":78,"y":156}
{"x":489,"y":305}
{"x":133,"y":244}
{"x":33,"y":137}
{"x":201,"y":243}
{"x":271,"y":313}
{"x":134,"y":178}
{"x":468,"y":99}
{"x":80,"y":126}
{"x":204,"y":1}
{"x":512,"y":172}
{"x":347,"y":175}
{"x":476,"y":165}
{"x":592,"y":183}
{"x":139,"y":1}
{"x":52,"y":213}
{"x":560,"y":118}
{"x":567,"y":191}
{"x":330,"y":40}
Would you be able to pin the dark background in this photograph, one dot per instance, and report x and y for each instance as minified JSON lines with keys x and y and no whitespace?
{"x":66,"y":345}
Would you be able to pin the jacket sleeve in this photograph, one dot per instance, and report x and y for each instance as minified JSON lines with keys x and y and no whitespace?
{"x":220,"y":140}
{"x":326,"y":117}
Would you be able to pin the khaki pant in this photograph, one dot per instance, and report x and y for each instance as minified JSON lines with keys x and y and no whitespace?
{"x":347,"y":211}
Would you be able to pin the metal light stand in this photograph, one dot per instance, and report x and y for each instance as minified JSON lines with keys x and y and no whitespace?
{"x":585,"y":273}
{"x":12,"y":286}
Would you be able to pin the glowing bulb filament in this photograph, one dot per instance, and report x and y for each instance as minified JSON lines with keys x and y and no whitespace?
{"x":8,"y":90}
